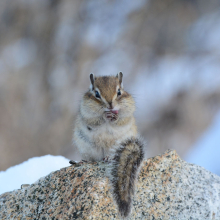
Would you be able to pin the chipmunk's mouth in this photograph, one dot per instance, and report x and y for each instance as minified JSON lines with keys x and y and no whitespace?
{"x":114,"y":111}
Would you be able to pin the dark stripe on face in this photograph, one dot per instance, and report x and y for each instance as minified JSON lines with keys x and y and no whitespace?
{"x":90,"y":96}
{"x":124,"y":95}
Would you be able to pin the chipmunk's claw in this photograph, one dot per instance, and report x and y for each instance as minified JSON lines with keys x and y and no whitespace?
{"x":111,"y":116}
{"x":106,"y":159}
{"x":72,"y":162}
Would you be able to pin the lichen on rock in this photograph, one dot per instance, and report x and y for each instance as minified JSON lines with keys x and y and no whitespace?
{"x":167,"y":188}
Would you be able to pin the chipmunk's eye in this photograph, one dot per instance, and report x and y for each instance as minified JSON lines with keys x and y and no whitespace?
{"x":97,"y":95}
{"x":119,"y":92}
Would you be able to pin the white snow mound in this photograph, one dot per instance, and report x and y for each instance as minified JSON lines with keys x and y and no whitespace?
{"x":30,"y":171}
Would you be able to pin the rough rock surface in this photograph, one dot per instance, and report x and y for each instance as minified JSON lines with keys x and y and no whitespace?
{"x":167,"y":188}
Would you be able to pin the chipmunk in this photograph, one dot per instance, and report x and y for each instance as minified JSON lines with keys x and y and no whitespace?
{"x":105,"y":123}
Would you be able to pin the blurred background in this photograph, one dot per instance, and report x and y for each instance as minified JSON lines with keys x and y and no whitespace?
{"x":168,"y":50}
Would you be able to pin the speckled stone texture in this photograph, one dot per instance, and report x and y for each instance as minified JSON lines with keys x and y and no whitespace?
{"x":167,"y":188}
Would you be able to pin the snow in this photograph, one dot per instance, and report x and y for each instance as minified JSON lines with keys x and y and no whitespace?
{"x":206,"y":151}
{"x":30,"y":171}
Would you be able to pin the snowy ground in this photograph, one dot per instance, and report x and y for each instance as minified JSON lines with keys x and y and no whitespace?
{"x":30,"y":171}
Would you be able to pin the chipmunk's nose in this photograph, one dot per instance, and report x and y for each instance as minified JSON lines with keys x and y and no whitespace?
{"x":110,"y":105}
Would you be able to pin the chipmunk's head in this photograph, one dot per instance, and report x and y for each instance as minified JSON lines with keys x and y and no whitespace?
{"x":106,"y":94}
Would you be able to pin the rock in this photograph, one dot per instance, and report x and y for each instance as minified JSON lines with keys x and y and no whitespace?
{"x":167,"y":188}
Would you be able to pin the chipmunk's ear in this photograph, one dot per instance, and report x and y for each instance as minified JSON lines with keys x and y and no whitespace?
{"x":92,"y":80}
{"x":120,"y":76}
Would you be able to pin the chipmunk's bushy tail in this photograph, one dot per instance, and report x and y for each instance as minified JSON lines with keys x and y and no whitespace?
{"x":127,"y":160}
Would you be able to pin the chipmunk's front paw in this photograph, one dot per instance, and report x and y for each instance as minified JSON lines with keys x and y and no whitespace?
{"x":110,"y":116}
{"x":107,"y":159}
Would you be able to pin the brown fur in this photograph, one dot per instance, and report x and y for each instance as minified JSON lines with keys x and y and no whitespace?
{"x":107,"y":86}
{"x":123,"y":121}
{"x":89,"y":96}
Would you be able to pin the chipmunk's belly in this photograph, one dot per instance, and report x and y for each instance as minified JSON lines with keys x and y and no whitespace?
{"x":107,"y":136}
